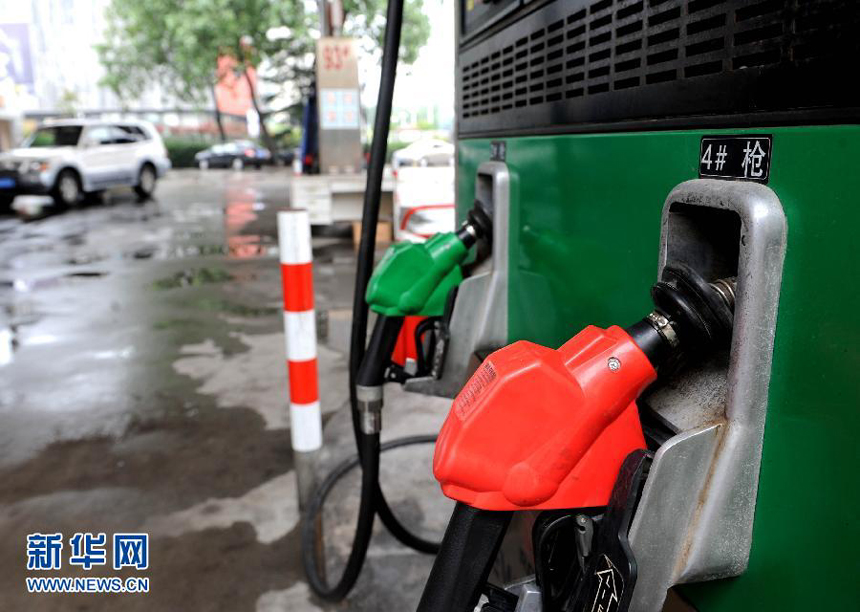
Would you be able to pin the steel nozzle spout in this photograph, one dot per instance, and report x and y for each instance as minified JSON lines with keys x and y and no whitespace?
{"x":726,"y":288}
{"x":478,"y":225}
{"x":691,"y":316}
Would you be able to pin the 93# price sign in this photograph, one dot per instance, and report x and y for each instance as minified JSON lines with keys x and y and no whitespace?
{"x":735,"y":157}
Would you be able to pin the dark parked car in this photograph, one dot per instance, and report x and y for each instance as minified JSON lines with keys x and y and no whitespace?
{"x":288,"y":156}
{"x":237,"y":155}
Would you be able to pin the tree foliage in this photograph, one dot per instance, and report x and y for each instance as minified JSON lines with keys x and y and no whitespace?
{"x":177,"y":43}
{"x":365,"y":20}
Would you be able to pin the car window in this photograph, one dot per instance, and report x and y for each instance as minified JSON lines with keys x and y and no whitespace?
{"x":55,"y":136}
{"x":100,"y":134}
{"x":129,"y":133}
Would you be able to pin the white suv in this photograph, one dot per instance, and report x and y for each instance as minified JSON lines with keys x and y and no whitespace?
{"x":68,"y":159}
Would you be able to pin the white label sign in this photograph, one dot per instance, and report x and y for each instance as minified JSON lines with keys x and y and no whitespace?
{"x":339,"y":109}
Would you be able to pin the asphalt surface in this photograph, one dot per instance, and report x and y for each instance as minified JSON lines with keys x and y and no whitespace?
{"x":143,"y":389}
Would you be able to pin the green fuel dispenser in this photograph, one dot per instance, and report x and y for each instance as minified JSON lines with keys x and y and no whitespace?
{"x":616,"y":138}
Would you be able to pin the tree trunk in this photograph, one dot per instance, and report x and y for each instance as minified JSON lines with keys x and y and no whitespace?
{"x":218,"y":119}
{"x":264,"y":131}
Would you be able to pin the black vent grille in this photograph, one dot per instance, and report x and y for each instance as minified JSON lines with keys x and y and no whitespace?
{"x":610,"y":60}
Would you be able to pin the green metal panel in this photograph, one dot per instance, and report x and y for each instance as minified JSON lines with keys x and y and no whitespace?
{"x":585,"y":227}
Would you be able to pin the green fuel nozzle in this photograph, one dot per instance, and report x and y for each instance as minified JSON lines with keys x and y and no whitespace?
{"x":415,"y":279}
{"x":411,"y":279}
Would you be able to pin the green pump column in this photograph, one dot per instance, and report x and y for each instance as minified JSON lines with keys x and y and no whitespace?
{"x":583,"y":239}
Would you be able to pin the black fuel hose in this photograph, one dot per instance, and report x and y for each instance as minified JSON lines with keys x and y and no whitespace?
{"x":371,"y":373}
{"x":309,"y":527}
{"x":372,"y":499}
{"x":377,"y":356}
{"x":363,"y":529}
{"x":367,"y":246}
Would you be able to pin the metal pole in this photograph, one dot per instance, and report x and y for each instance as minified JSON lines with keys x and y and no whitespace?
{"x":294,"y":238}
{"x":336,"y":17}
{"x":325,"y":26}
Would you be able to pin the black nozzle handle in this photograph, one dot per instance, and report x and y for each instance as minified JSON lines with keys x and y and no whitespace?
{"x":463,"y":564}
{"x":377,"y":357}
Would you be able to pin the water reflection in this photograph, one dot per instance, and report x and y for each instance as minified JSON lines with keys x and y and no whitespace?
{"x":6,"y":346}
{"x":240,"y":211}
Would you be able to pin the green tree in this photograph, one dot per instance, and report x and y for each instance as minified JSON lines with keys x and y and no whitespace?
{"x":365,"y":20}
{"x":177,"y":43}
{"x":68,"y":103}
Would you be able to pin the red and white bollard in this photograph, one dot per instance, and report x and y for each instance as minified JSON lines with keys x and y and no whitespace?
{"x":294,"y":238}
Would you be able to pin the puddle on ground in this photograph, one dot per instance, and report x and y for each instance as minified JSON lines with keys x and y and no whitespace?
{"x":256,"y":378}
{"x":236,"y":247}
{"x":240,"y":210}
{"x":247,"y":246}
{"x":231,"y":311}
{"x":40,"y":339}
{"x":141,"y":212}
{"x":235,"y":308}
{"x":7,"y":346}
{"x":34,"y":208}
{"x":31,"y":284}
{"x":85,"y":259}
{"x":143,"y":253}
{"x":117,"y":354}
{"x":271,"y":509}
{"x":193,"y":277}
{"x":237,"y":214}
{"x":74,"y":239}
{"x":297,"y":597}
{"x":86,"y":274}
{"x":194,"y":212}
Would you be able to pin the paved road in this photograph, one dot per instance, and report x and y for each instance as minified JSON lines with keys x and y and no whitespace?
{"x":142,"y":389}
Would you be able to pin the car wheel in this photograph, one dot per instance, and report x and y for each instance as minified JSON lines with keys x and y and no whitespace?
{"x":238,"y":163}
{"x":203,"y":164}
{"x":67,"y":190}
{"x":146,"y":182}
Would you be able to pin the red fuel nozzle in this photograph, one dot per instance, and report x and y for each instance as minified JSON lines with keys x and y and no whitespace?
{"x":543,"y":429}
{"x":537,"y":428}
{"x":540,"y":429}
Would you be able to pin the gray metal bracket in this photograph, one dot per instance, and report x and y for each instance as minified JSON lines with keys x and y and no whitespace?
{"x":695,"y":518}
{"x":479,"y":322}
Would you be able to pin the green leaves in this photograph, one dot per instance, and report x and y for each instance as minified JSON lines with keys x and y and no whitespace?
{"x":176,"y":43}
{"x":365,"y":20}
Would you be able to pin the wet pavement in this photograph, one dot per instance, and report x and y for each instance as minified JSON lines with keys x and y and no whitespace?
{"x":143,"y":388}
